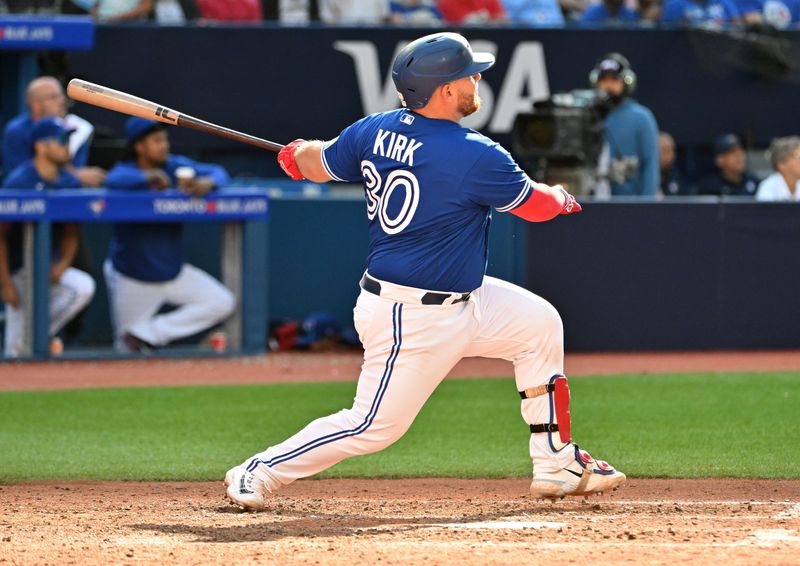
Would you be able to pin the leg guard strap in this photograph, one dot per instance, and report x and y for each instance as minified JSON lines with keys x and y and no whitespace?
{"x":550,"y":427}
{"x":532,"y":392}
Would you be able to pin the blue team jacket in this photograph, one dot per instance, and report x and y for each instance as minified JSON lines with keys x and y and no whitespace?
{"x":152,"y":252}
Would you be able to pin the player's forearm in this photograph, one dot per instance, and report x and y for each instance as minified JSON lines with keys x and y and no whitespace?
{"x":309,"y":160}
{"x":68,"y":246}
{"x":545,"y":203}
{"x":5,"y":272}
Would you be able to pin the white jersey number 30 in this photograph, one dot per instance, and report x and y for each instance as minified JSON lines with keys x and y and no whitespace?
{"x":379,"y":192}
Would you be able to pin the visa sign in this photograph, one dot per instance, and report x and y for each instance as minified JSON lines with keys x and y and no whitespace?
{"x":525,"y":82}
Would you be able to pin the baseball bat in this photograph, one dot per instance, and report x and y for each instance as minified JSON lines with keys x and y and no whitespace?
{"x":118,"y":101}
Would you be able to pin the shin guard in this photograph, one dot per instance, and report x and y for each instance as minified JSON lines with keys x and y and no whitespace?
{"x":559,"y":420}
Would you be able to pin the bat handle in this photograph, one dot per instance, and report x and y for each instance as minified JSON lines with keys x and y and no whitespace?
{"x":203,"y":126}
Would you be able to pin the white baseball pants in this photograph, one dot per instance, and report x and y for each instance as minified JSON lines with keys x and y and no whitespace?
{"x":68,"y":297}
{"x":202,"y":302}
{"x":409,"y":349}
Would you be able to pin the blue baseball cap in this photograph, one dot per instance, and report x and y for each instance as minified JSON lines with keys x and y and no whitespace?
{"x":725,"y":143}
{"x":136,"y":128}
{"x":51,"y":127}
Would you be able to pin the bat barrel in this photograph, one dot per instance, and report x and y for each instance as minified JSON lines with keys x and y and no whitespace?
{"x":125,"y":103}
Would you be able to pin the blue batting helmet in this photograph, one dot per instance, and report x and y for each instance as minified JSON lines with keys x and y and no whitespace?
{"x":431,"y":61}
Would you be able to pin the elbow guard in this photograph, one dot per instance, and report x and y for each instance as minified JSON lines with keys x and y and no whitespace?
{"x":545,"y":203}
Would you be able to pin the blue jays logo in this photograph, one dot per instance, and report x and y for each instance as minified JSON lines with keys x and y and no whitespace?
{"x":98,"y":206}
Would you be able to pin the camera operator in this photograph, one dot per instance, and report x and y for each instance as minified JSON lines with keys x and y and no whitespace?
{"x":629,"y":164}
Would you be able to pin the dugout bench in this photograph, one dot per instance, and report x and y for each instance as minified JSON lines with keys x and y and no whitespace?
{"x":242,"y":210}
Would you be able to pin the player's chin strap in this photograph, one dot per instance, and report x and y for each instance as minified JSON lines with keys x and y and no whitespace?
{"x":558,"y":390}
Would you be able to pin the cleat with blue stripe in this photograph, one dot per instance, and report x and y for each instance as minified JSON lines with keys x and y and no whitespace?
{"x":245,"y":489}
{"x":583,"y":476}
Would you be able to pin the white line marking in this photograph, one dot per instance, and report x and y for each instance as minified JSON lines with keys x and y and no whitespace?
{"x":792,"y":513}
{"x":503,"y":525}
{"x":769,"y":537}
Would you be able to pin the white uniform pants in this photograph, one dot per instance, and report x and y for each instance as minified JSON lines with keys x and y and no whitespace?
{"x":202,"y":302}
{"x":68,"y":297}
{"x":409,"y":349}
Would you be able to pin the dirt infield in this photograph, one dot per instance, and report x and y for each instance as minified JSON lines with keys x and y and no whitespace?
{"x":401,"y":521}
{"x":431,"y":521}
{"x":288,"y":367}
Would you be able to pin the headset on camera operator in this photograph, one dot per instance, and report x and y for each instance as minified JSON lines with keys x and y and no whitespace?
{"x":629,"y":163}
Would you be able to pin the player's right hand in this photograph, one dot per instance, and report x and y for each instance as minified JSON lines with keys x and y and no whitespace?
{"x":157,"y":179}
{"x":287,"y":161}
{"x":9,"y":294}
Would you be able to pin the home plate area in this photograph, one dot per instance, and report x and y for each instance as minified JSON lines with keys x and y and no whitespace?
{"x":431,"y":521}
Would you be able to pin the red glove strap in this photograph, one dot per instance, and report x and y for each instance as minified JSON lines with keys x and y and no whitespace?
{"x":545,"y":203}
{"x":287,"y":162}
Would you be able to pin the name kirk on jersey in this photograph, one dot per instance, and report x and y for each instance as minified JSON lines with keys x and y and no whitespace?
{"x":395,"y":146}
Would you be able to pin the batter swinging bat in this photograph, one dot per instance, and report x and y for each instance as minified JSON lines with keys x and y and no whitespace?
{"x":111,"y":99}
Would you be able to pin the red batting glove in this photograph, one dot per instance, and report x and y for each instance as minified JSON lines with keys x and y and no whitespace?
{"x":287,"y":162}
{"x":571,"y":205}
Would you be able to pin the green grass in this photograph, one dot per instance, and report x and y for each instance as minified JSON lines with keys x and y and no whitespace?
{"x":700,"y":425}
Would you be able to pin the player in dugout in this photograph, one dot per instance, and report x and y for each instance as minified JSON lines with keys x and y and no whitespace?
{"x":70,"y":289}
{"x":145,"y":269}
{"x":425,"y":301}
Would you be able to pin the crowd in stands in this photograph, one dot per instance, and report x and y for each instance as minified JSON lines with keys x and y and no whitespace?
{"x":779,"y":14}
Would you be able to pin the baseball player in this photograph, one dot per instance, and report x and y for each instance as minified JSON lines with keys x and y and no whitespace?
{"x":70,"y":289}
{"x":145,"y":268}
{"x":425,"y":303}
{"x":45,"y":97}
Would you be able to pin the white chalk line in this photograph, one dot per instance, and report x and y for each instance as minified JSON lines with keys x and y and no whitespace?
{"x":792,"y":513}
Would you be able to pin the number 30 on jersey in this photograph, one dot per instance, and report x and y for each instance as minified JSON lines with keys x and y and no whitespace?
{"x":379,"y":192}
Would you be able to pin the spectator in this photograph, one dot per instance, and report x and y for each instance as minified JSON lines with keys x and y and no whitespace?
{"x":45,"y":97}
{"x":574,"y":9}
{"x":70,"y":289}
{"x":731,"y":178}
{"x":415,"y":13}
{"x":610,"y":12}
{"x":780,"y":14}
{"x":231,"y":10}
{"x":118,"y":10}
{"x":473,"y":11}
{"x":534,"y":13}
{"x":629,"y":161}
{"x":649,"y":11}
{"x":716,"y":13}
{"x":672,"y":183}
{"x":295,"y":12}
{"x":145,"y":269}
{"x":784,"y":183}
{"x":349,"y":12}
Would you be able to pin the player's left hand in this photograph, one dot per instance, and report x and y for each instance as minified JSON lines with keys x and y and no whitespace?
{"x":287,"y":161}
{"x":56,"y":271}
{"x":197,"y":187}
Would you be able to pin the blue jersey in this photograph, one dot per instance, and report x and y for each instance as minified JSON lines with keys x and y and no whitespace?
{"x":599,"y":14}
{"x":781,"y":14}
{"x":719,"y":12}
{"x":25,"y":176}
{"x":152,"y":252}
{"x":18,"y":141}
{"x":430,"y":185}
{"x":541,"y":13}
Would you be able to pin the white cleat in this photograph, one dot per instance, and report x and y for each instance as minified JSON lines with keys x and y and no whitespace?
{"x":229,"y":474}
{"x":245,"y":489}
{"x":584,"y":476}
